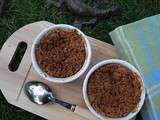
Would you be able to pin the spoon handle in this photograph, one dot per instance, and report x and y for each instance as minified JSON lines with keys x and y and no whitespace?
{"x":76,"y":109}
{"x":65,"y":104}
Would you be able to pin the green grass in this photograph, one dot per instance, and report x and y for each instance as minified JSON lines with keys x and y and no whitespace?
{"x":21,"y":12}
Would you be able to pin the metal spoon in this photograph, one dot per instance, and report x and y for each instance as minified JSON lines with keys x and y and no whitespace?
{"x":40,"y":93}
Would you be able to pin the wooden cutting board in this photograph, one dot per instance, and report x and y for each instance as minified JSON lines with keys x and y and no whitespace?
{"x":12,"y":82}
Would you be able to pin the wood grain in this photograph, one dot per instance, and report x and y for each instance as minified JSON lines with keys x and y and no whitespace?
{"x":12,"y":83}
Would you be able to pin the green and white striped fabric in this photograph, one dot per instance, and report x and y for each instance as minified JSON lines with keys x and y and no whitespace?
{"x":139,"y":44}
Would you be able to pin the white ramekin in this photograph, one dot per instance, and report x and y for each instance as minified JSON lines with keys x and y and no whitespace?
{"x":52,"y":78}
{"x":126,"y":64}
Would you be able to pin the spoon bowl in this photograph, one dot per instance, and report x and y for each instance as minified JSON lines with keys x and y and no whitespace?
{"x":38,"y":92}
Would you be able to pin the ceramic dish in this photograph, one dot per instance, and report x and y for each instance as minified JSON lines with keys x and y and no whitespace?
{"x":66,"y":79}
{"x":129,"y":66}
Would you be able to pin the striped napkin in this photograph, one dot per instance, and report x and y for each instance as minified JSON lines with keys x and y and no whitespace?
{"x":139,"y":44}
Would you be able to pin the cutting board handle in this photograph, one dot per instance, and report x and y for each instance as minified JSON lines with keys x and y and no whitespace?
{"x":12,"y":54}
{"x":13,"y":68}
{"x":17,"y":56}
